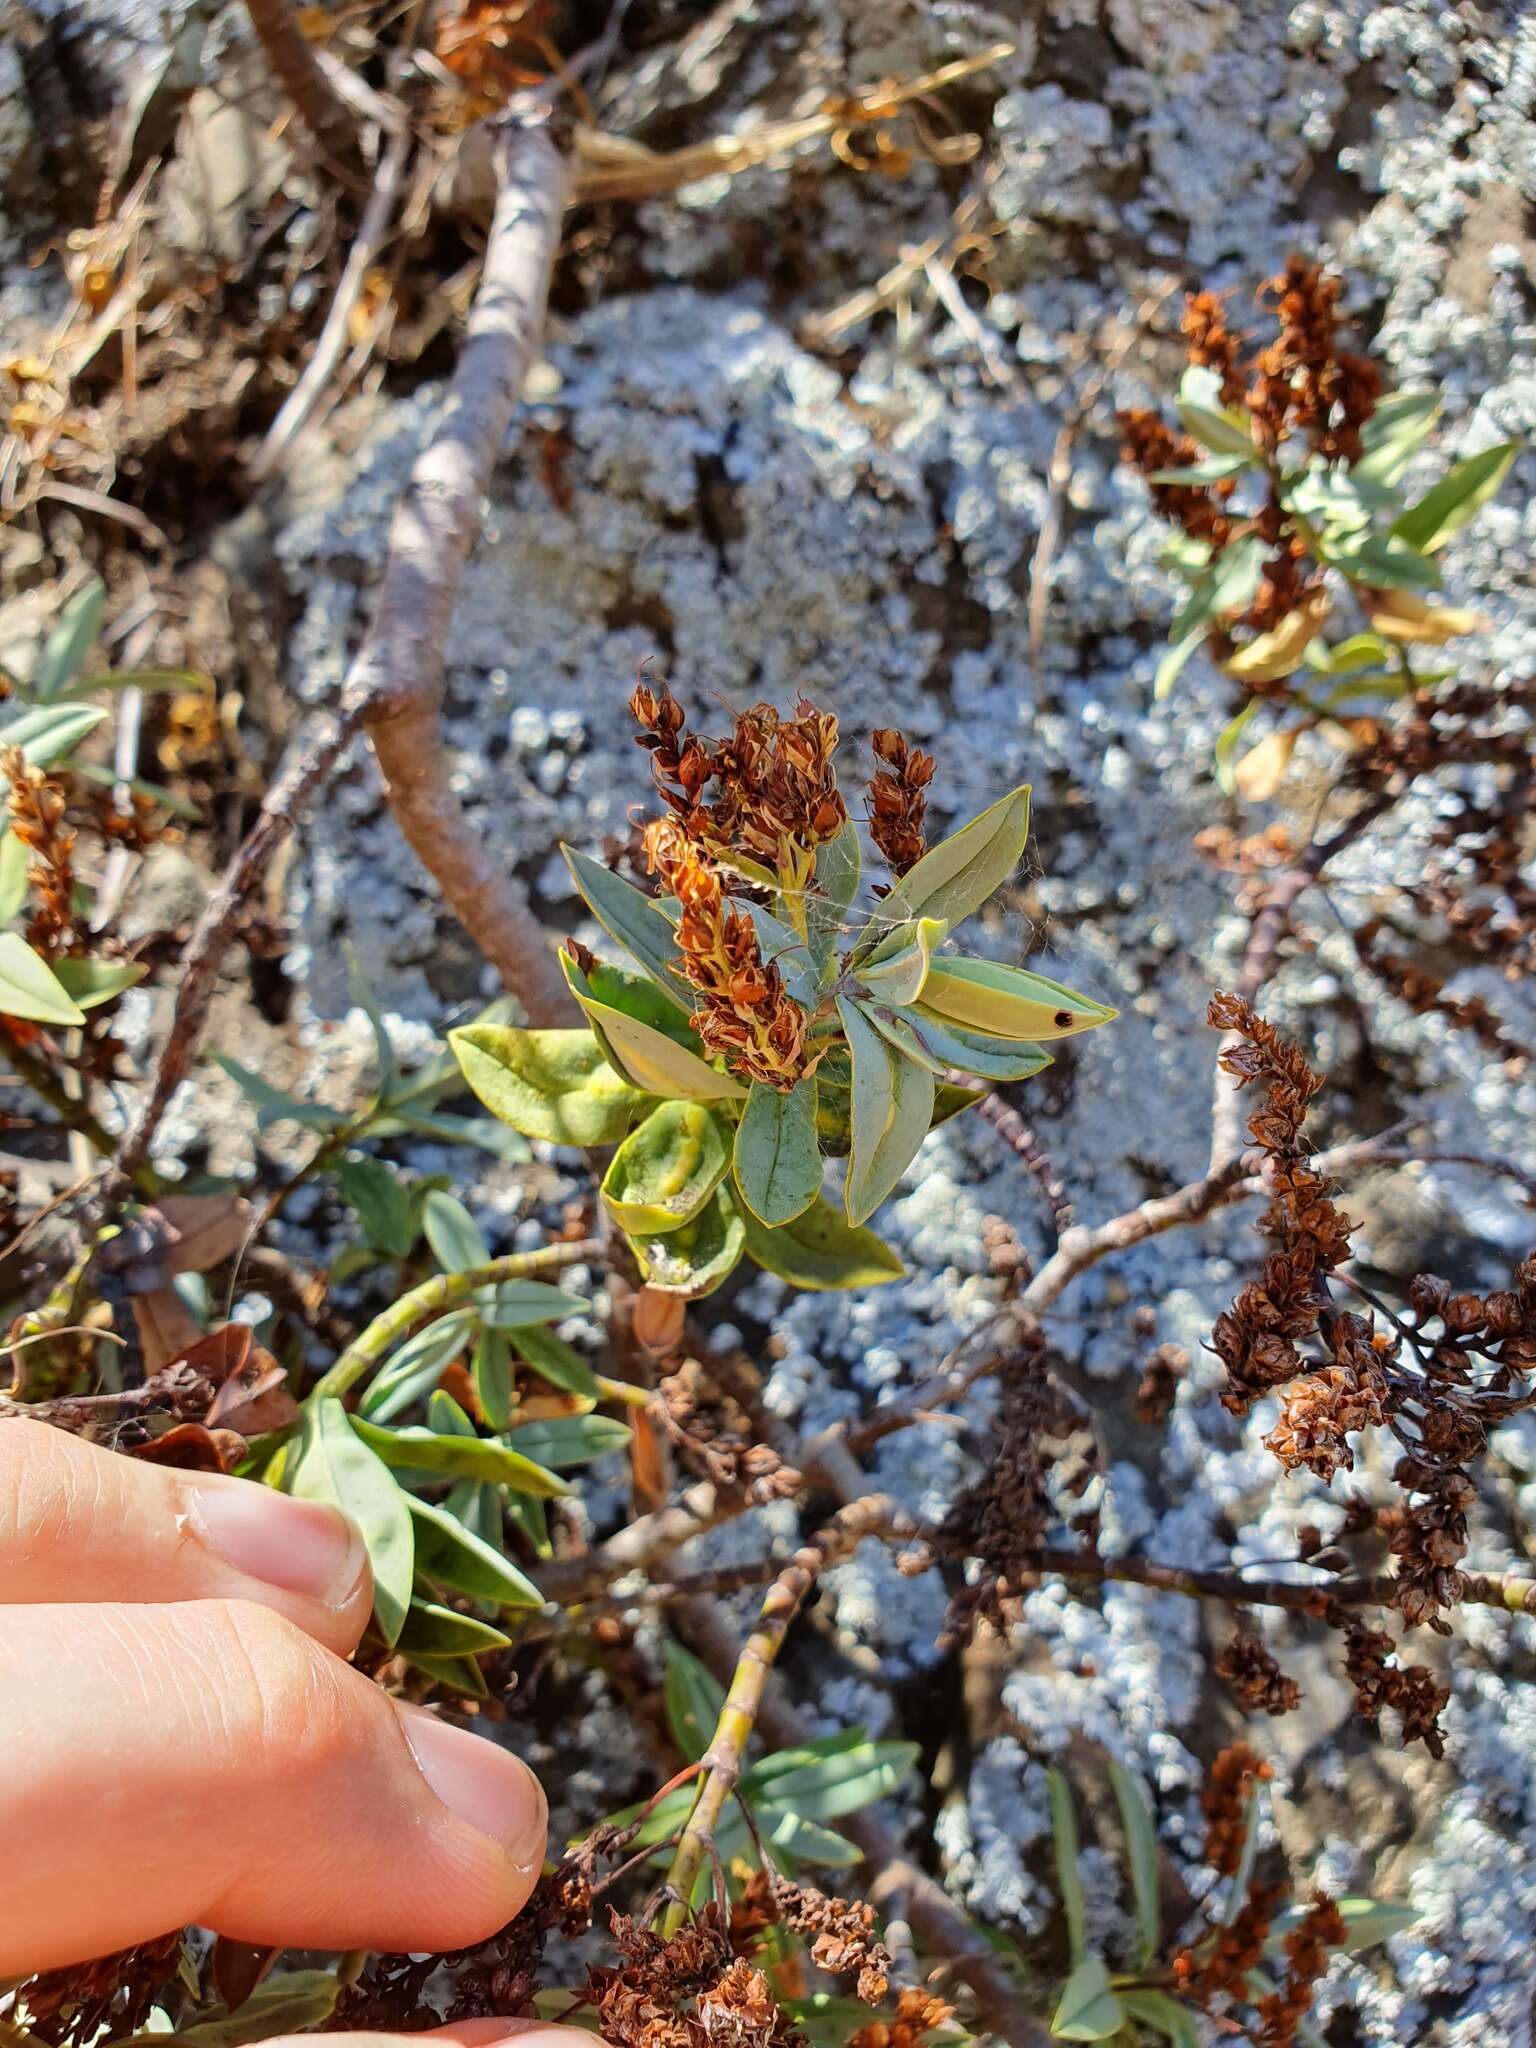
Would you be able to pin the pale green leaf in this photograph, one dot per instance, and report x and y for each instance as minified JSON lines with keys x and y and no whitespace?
{"x":70,"y":641}
{"x":1445,"y":510}
{"x":30,"y":989}
{"x":272,"y":1105}
{"x":957,"y":876}
{"x":492,"y":1371}
{"x":15,"y":860}
{"x":461,"y":1457}
{"x":789,"y":1833}
{"x":570,"y":1440}
{"x":892,"y":1107}
{"x":410,"y":1373}
{"x":1064,"y":1842}
{"x":553,"y":1085}
{"x":652,"y":1061}
{"x":897,"y":968}
{"x":289,"y":2002}
{"x":454,"y":1556}
{"x":1384,"y":562}
{"x":1164,"y":2014}
{"x":94,"y":982}
{"x":383,"y":1206}
{"x":1088,"y":2009}
{"x":634,"y":921}
{"x":1008,"y":1002}
{"x":1368,"y":1921}
{"x":943,"y":1047}
{"x":434,"y":1631}
{"x":557,"y":1363}
{"x":695,"y":1259}
{"x":1229,"y":740}
{"x":777,"y":1163}
{"x":453,"y":1233}
{"x":48,"y":731}
{"x":1141,"y":1858}
{"x":667,"y":1168}
{"x":1394,"y":431}
{"x":693,"y":1699}
{"x":821,"y":1249}
{"x":329,"y":1461}
{"x":514,"y":1304}
{"x":1218,"y":427}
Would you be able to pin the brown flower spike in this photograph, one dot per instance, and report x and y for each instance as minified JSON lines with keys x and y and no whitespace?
{"x":745,"y":1013}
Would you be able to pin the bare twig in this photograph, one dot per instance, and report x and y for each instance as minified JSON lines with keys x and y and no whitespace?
{"x":300,"y":76}
{"x":640,"y":1543}
{"x":372,"y":232}
{"x":397,"y":682}
{"x":1021,"y":1140}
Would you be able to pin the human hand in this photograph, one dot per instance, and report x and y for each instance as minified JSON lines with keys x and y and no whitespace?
{"x":185,"y":1744}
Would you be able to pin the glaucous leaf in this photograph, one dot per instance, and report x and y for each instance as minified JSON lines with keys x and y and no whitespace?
{"x":1445,"y":510}
{"x":29,"y":988}
{"x":652,"y":1061}
{"x":1394,"y":431}
{"x":446,"y":1416}
{"x":382,"y":1203}
{"x":461,"y":1675}
{"x":1202,"y":414}
{"x":514,"y":1304}
{"x":1088,"y":2008}
{"x":329,"y":1461}
{"x":790,"y":1834}
{"x":413,"y":1449}
{"x":942,"y":1047}
{"x":556,"y":1362}
{"x":892,"y":1110}
{"x":693,"y":1699}
{"x":826,"y":1780}
{"x":89,"y":983}
{"x":1141,"y":1858}
{"x":566,"y":1441}
{"x":273,"y":1106}
{"x":784,"y":948}
{"x":667,"y":1168}
{"x":1368,"y":1921}
{"x":1008,"y":1002}
{"x":553,"y":1085}
{"x":1383,"y":561}
{"x":434,"y":1631}
{"x":1165,"y":2015}
{"x":897,"y":968}
{"x":821,"y":1249}
{"x":454,"y":1556}
{"x":1213,"y":470}
{"x":693,"y":1260}
{"x":70,"y":641}
{"x":289,"y":2002}
{"x":48,"y":731}
{"x":1065,"y":1846}
{"x":958,"y":875}
{"x":839,"y":864}
{"x":453,"y":1233}
{"x":777,"y":1162}
{"x":1226,"y":586}
{"x":630,"y":917}
{"x":410,"y":1373}
{"x":15,"y":860}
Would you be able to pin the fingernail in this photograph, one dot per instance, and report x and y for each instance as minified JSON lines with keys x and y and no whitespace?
{"x":303,"y":1546}
{"x":482,"y":1783}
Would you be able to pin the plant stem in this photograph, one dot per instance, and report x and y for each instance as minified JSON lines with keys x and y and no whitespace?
{"x":875,"y":1514}
{"x":292,"y":59}
{"x":74,"y":1115}
{"x":435,"y":1297}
